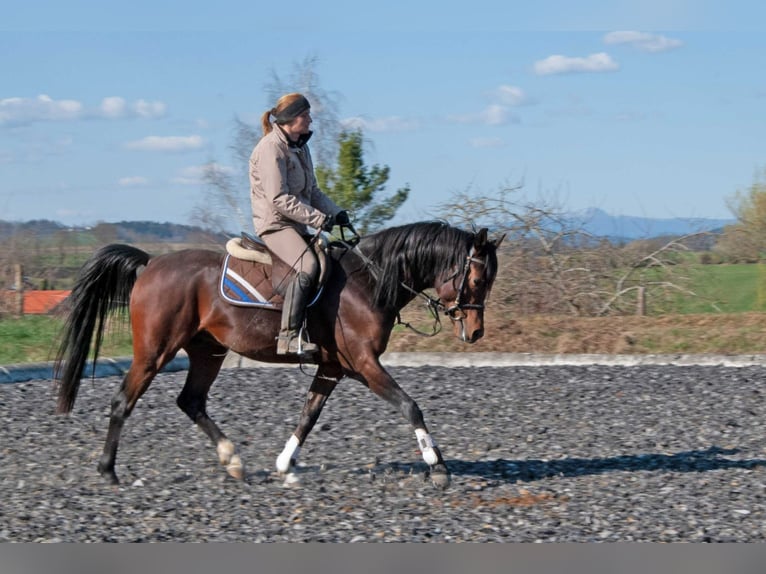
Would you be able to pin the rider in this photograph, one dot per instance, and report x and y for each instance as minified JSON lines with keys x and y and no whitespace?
{"x":285,"y":201}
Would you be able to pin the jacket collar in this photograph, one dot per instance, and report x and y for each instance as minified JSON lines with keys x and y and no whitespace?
{"x":302,"y":139}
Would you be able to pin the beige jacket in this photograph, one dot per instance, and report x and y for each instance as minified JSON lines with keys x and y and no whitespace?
{"x":283,"y":187}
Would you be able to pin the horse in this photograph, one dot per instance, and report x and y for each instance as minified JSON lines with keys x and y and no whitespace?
{"x":173,"y":302}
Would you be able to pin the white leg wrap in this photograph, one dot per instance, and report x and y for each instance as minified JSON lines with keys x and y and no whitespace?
{"x":291,"y":450}
{"x":426,"y":444}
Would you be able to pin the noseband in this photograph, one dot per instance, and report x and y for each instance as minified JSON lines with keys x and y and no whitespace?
{"x":458,"y":305}
{"x":436,"y":305}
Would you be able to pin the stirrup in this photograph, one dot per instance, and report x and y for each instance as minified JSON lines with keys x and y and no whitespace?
{"x":292,"y":343}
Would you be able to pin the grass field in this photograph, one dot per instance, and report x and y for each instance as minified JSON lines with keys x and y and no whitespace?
{"x":35,"y":339}
{"x":728,"y":288}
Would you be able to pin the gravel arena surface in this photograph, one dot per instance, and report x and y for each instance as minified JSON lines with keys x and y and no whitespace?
{"x":561,"y":453}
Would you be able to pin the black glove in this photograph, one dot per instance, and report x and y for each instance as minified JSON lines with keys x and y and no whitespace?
{"x":329,"y":223}
{"x":341,"y":218}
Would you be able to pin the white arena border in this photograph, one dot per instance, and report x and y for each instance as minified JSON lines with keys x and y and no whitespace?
{"x":118,"y":367}
{"x":497,"y":359}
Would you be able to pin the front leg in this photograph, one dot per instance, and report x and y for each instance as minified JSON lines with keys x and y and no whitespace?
{"x":321,"y":388}
{"x":440,"y":476}
{"x":382,"y":384}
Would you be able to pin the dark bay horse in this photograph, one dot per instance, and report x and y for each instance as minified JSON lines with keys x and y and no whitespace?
{"x":174,"y":303}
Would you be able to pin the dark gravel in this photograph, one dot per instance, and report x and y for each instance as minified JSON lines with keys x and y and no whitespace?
{"x":557,"y":453}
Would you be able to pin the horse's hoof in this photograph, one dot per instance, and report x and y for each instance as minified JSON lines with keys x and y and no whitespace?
{"x":235,"y":468}
{"x":111,"y":479}
{"x":291,"y":479}
{"x":109,"y":475}
{"x":440,"y":477}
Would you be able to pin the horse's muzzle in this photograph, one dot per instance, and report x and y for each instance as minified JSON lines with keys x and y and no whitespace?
{"x":477,"y":334}
{"x":464,"y":332}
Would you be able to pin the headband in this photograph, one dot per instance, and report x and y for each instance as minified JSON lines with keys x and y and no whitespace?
{"x":291,"y":111}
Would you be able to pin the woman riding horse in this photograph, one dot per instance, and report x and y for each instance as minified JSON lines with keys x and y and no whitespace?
{"x":285,"y":199}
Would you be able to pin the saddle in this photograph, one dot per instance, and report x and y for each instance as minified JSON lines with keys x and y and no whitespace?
{"x":252,"y":277}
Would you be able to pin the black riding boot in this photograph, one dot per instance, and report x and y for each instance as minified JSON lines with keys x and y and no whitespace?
{"x":290,"y":340}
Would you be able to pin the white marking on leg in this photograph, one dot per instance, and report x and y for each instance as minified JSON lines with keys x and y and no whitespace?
{"x":290,"y":452}
{"x":225,"y":449}
{"x":426,"y":444}
{"x":235,"y":468}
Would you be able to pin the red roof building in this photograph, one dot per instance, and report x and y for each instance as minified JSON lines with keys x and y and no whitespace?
{"x":43,"y":302}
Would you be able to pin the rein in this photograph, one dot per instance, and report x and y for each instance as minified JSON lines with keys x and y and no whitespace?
{"x":434,"y":306}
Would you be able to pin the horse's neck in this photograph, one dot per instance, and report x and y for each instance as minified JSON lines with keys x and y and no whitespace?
{"x":408,"y":289}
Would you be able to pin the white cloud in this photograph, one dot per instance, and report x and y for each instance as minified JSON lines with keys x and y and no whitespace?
{"x":509,"y":95}
{"x":113,"y":107}
{"x":149,"y":110}
{"x":388,"y":124}
{"x":643,"y":40}
{"x":195,"y":174}
{"x":492,"y":115}
{"x":557,"y":64}
{"x":17,"y":111}
{"x":496,"y":115}
{"x":166,"y":143}
{"x":43,"y":108}
{"x":133,"y":181}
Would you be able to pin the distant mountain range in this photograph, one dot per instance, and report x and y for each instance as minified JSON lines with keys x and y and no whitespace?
{"x":600,"y":224}
{"x":594,"y":221}
{"x":123,"y":231}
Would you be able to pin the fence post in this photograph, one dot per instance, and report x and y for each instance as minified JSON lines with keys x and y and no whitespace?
{"x":17,"y":308}
{"x":641,"y":301}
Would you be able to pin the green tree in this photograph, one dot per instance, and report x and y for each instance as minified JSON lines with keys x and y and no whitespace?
{"x":357,"y":188}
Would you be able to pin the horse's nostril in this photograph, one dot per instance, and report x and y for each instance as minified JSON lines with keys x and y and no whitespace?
{"x":477,"y":334}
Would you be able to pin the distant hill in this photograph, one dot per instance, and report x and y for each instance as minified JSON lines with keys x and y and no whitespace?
{"x":595,"y":221}
{"x":599,"y":223}
{"x":123,"y":231}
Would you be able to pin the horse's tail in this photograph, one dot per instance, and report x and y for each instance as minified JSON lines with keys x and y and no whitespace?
{"x":104,"y":284}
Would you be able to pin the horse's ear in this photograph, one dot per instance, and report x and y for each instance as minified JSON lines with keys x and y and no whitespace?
{"x":498,"y":241}
{"x":480,"y":239}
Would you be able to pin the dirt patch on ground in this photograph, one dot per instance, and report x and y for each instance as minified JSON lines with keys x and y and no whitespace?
{"x":721,"y":334}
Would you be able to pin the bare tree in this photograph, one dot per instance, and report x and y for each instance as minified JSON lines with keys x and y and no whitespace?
{"x":551,"y":265}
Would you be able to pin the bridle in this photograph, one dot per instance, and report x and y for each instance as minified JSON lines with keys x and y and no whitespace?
{"x":458,"y":305}
{"x":455,"y":311}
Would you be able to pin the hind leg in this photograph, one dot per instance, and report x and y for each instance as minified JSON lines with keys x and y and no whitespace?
{"x":322,"y":386}
{"x":205,"y":360}
{"x":134,"y":384}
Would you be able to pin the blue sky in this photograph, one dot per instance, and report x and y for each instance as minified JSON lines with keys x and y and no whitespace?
{"x":655,"y":109}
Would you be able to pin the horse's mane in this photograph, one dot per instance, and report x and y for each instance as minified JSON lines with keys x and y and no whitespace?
{"x":415,"y":255}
